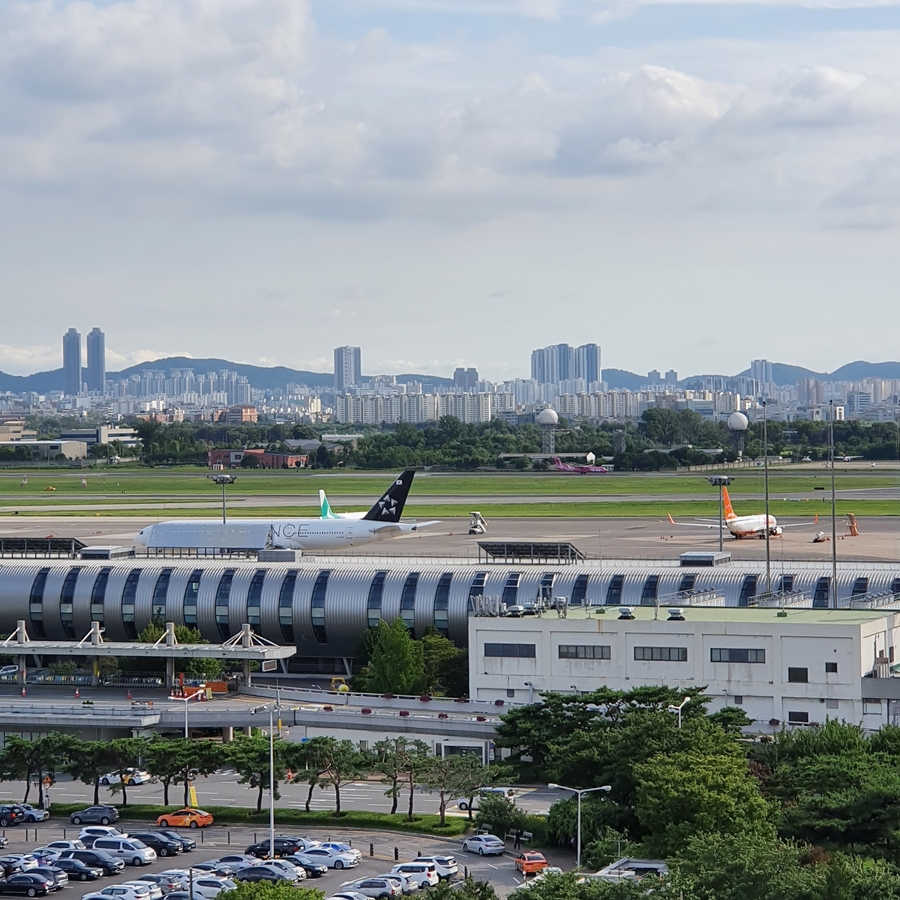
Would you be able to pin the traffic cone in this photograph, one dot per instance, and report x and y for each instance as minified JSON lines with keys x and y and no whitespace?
{"x":77,"y":693}
{"x":128,"y":696}
{"x":23,"y":690}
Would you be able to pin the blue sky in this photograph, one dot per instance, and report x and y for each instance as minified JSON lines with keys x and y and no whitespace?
{"x":690,"y":185}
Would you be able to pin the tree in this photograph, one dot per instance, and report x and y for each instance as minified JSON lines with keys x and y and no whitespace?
{"x":449,"y":776}
{"x":467,"y":890}
{"x":439,"y":660}
{"x":179,"y":760}
{"x":184,"y":634}
{"x":396,"y":664}
{"x":342,"y":762}
{"x":24,"y":760}
{"x":88,"y":761}
{"x":395,"y":758}
{"x":250,"y":758}
{"x":267,"y":890}
{"x":310,"y":760}
{"x":500,"y":812}
{"x":124,"y":754}
{"x":479,"y":777}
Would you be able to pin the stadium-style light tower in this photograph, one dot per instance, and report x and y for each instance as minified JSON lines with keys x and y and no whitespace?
{"x":721,"y":482}
{"x":223,"y":479}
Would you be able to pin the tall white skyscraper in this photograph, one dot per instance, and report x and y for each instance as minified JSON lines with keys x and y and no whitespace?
{"x":347,"y":368}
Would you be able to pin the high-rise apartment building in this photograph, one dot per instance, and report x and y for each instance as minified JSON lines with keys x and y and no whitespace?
{"x":761,"y":371}
{"x":96,"y":361}
{"x":465,"y":379}
{"x":560,"y":362}
{"x":671,"y":377}
{"x":72,"y":362}
{"x":347,"y":368}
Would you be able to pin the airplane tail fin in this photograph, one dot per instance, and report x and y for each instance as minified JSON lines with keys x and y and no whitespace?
{"x":390,"y":507}
{"x":729,"y":509}
{"x":852,"y":526}
{"x":671,"y":520}
{"x":327,"y":512}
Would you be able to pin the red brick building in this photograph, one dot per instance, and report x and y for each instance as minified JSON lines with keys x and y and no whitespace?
{"x":234,"y":459}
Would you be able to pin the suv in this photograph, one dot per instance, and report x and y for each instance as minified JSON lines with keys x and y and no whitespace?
{"x":128,"y":850}
{"x":446,"y":866}
{"x":422,"y":872}
{"x":100,"y":815}
{"x":161,"y":843}
{"x":284,"y":846}
{"x":99,"y":859}
{"x":9,"y":815}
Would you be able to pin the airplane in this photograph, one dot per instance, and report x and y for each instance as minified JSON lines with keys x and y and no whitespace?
{"x":560,"y":466}
{"x":847,"y":458}
{"x":380,"y":523}
{"x":329,"y":513}
{"x":743,"y":526}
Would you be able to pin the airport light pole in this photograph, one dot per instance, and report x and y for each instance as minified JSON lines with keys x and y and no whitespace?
{"x":201,"y":689}
{"x":834,"y":584}
{"x":677,"y":709}
{"x":222,"y":479}
{"x":721,"y":482}
{"x":561,"y":787}
{"x":271,"y":711}
{"x":764,"y":403}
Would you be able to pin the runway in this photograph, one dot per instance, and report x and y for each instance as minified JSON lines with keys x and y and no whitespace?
{"x":614,"y":538}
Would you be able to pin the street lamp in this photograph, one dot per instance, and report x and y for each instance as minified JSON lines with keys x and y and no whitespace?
{"x":766,"y":480}
{"x":223,"y":479}
{"x":561,"y":787}
{"x":530,"y":686}
{"x":253,"y":712}
{"x":677,"y":709}
{"x":721,"y":482}
{"x":201,"y":689}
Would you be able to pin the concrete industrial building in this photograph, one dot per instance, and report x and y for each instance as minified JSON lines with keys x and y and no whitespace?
{"x":51,"y":449}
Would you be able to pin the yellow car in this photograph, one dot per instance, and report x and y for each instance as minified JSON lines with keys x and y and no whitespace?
{"x":185,"y":818}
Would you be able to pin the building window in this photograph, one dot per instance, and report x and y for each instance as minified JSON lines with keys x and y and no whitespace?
{"x":798,"y":676}
{"x":614,"y":591}
{"x":648,"y":594}
{"x":128,"y":594}
{"x":66,"y":599}
{"x":98,"y":594}
{"x":517,"y":651}
{"x":408,"y":600}
{"x":511,"y":589}
{"x":579,"y":591}
{"x":787,"y":583}
{"x":254,"y":596}
{"x":477,"y":589}
{"x":223,"y":594}
{"x":160,"y":589}
{"x":318,"y":607}
{"x":736,"y":655}
{"x":831,"y":668}
{"x":191,"y":589}
{"x":688,"y":580}
{"x":660,"y":654}
{"x":363,"y":746}
{"x":286,"y":606}
{"x":585,"y":651}
{"x":510,"y":693}
{"x":871,"y":707}
{"x":860,"y":586}
{"x":373,"y":605}
{"x":442,"y":604}
{"x":748,"y":590}
{"x":738,"y":699}
{"x":820,"y":595}
{"x":36,"y":603}
{"x":798,"y":718}
{"x":832,"y":704}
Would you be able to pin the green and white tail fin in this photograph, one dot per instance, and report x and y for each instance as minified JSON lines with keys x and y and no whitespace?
{"x":325,"y":506}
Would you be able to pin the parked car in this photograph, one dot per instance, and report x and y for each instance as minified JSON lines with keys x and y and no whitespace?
{"x":18,"y":862}
{"x":98,"y":858}
{"x":9,"y":670}
{"x":484,"y":845}
{"x":179,"y":875}
{"x":120,"y":892}
{"x":129,"y":850}
{"x":347,"y":895}
{"x":9,"y":815}
{"x":263,"y":873}
{"x":4,"y":841}
{"x":376,"y":888}
{"x":102,"y":815}
{"x":132,"y":776}
{"x":284,"y":846}
{"x":164,"y":846}
{"x":166,"y":883}
{"x":57,"y":877}
{"x":298,"y":873}
{"x":154,"y":889}
{"x":92,"y":832}
{"x":334,"y":859}
{"x":185,"y":818}
{"x":187,"y":843}
{"x":446,"y":866}
{"x":77,"y":870}
{"x":303,"y":844}
{"x":220,"y":870}
{"x":31,"y":813}
{"x":312,"y":868}
{"x":236,"y":860}
{"x":341,"y":848}
{"x":530,"y":862}
{"x":66,"y":845}
{"x":45,"y":856}
{"x":26,"y":884}
{"x":209,"y":887}
{"x":422,"y":871}
{"x":406,"y":885}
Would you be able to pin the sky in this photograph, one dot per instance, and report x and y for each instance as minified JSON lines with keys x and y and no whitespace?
{"x":451,"y":182}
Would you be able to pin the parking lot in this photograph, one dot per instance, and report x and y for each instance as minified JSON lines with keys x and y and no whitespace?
{"x":380,"y":851}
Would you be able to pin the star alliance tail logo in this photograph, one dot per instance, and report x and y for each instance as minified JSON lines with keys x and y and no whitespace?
{"x":388,"y":505}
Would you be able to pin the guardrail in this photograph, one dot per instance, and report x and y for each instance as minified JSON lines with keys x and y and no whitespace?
{"x":34,"y":709}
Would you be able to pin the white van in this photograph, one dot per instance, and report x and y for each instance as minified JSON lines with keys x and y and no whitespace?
{"x":129,"y":850}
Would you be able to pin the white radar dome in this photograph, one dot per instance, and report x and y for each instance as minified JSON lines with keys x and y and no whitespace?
{"x":547,"y":417}
{"x":737,"y":421}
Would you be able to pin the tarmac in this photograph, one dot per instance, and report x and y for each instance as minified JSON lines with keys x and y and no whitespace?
{"x":613,"y":538}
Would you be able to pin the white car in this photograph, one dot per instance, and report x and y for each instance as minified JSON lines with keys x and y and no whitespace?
{"x":445,"y":866}
{"x":25,"y":860}
{"x":236,"y":860}
{"x":132,"y":776}
{"x":298,"y":873}
{"x":341,"y":848}
{"x":9,"y":670}
{"x":375,"y":888}
{"x":463,"y":802}
{"x":98,"y":831}
{"x":484,"y":845}
{"x":123,"y":892}
{"x":32,"y":813}
{"x":62,"y":846}
{"x":180,"y":875}
{"x":347,"y":895}
{"x":406,"y":885}
{"x":209,"y":887}
{"x":334,"y":859}
{"x":422,"y":871}
{"x":155,"y":890}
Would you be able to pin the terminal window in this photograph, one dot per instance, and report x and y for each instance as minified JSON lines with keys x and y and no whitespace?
{"x":661,"y":654}
{"x":798,"y":676}
{"x":831,"y":668}
{"x":585,"y":651}
{"x":518,"y":651}
{"x":736,"y":655}
{"x":800,"y":718}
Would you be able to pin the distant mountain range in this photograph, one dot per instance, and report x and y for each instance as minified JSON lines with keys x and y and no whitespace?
{"x":274,"y":377}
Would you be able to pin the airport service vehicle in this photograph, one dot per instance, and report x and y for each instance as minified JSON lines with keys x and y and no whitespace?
{"x":380,"y":523}
{"x":166,"y":883}
{"x":100,"y":815}
{"x":132,"y":776}
{"x":77,"y":870}
{"x":30,"y":813}
{"x":185,"y":818}
{"x":743,"y":526}
{"x":375,"y":888}
{"x":484,"y":845}
{"x":129,"y":850}
{"x":26,"y":884}
{"x":334,"y":859}
{"x":422,"y":872}
{"x":99,"y":859}
{"x":154,"y":889}
{"x":163,"y":845}
{"x":530,"y":862}
{"x":187,"y":843}
{"x":312,"y":868}
{"x":445,"y":866}
{"x":9,"y":815}
{"x":463,"y":802}
{"x":574,"y":469}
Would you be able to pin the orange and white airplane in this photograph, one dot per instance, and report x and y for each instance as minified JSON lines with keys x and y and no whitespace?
{"x":744,"y":526}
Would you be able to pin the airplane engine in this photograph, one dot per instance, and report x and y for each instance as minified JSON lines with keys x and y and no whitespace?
{"x":777,"y":531}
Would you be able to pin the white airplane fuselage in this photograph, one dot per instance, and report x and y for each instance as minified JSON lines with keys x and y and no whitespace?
{"x":753,"y":526}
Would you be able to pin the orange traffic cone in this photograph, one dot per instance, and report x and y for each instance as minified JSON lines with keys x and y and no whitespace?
{"x":77,"y":693}
{"x":23,"y":690}
{"x":128,"y":696}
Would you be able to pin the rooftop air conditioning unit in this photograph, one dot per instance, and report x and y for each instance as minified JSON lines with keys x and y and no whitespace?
{"x":626,"y":612}
{"x":676,"y":614}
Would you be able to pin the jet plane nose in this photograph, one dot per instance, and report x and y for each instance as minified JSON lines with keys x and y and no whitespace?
{"x":143,"y":536}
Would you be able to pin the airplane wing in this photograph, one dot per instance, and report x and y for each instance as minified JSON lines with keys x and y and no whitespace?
{"x":694,"y":524}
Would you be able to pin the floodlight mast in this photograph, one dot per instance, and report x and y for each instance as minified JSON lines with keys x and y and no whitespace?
{"x":223,"y":479}
{"x":721,"y":482}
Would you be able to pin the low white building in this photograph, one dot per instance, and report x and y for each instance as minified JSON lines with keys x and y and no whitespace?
{"x":797,"y":666}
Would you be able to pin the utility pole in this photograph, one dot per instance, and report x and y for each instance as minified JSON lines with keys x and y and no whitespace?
{"x":834,"y":584}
